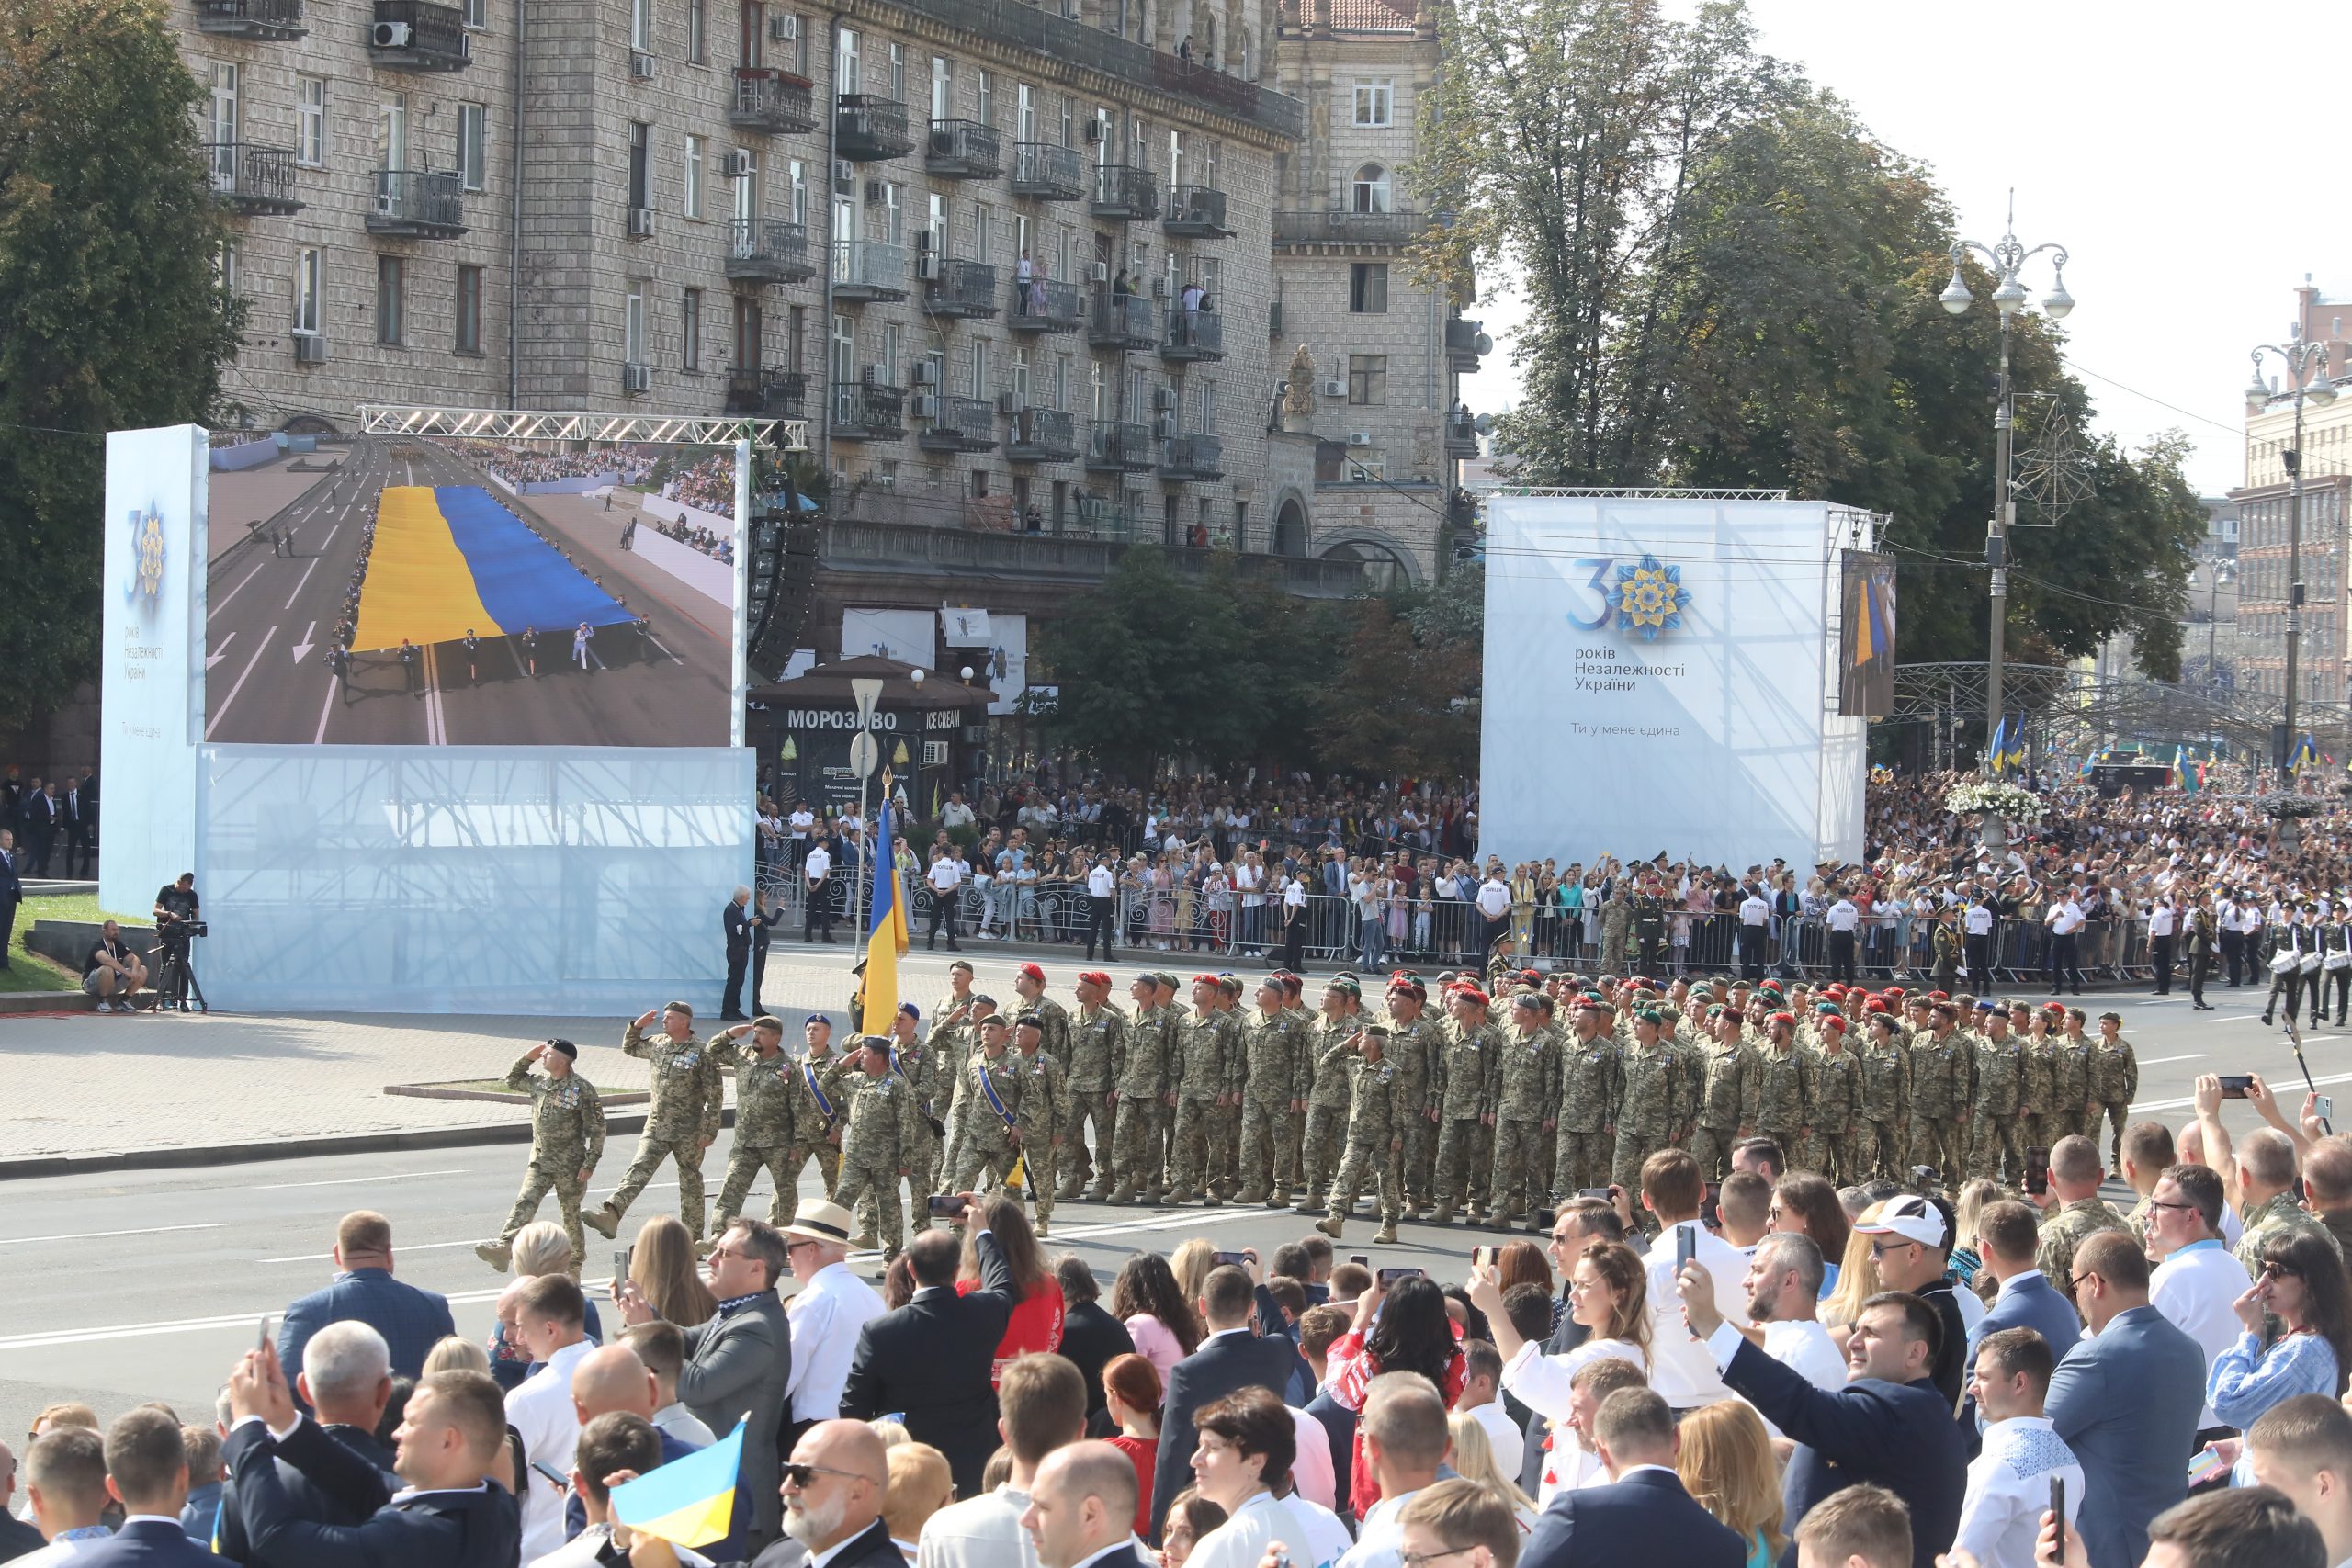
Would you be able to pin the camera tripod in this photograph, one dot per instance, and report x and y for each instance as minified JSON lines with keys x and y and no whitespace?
{"x":175,"y":978}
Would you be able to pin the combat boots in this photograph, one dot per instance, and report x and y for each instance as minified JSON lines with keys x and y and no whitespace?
{"x":1387,"y":1232}
{"x":1331,"y":1224}
{"x":1123,"y":1193}
{"x":1251,"y":1194}
{"x":497,"y":1253}
{"x":605,"y":1222}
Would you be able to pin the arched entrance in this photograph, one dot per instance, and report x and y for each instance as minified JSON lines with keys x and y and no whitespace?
{"x":1290,"y":529}
{"x":1384,"y":568}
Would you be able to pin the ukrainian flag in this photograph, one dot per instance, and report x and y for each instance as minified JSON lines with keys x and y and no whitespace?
{"x":450,"y":559}
{"x":886,"y":928}
{"x":686,"y":1502}
{"x":2305,"y":751}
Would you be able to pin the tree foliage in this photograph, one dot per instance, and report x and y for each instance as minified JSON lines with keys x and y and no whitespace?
{"x":111,"y":315}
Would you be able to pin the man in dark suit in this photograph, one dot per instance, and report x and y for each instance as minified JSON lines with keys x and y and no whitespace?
{"x":1091,"y":1336}
{"x":147,"y":1473}
{"x":1082,"y":1509}
{"x":12,"y":892}
{"x":78,"y":805}
{"x":450,"y":1515}
{"x":1230,"y":1359}
{"x":40,"y":811}
{"x":735,"y":926}
{"x":1877,"y":1428}
{"x":1644,"y":1515}
{"x":346,"y":1381}
{"x":16,"y":1536}
{"x":934,"y":1359}
{"x":412,"y":1321}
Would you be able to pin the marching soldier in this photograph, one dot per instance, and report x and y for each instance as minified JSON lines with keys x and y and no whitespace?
{"x":1527,"y":1100}
{"x":1649,"y":1095}
{"x":1302,"y":1023}
{"x":1138,"y":1080}
{"x":1029,"y":982}
{"x":2038,"y":1085}
{"x":2114,"y":1083}
{"x":1833,"y":1092}
{"x":1948,"y":949}
{"x":1198,"y":1083}
{"x":1096,"y":1038}
{"x":763,"y":1121}
{"x":1781,"y":1111}
{"x":1042,"y":1119}
{"x":1415,"y":1038}
{"x":1465,"y":1094}
{"x":815,"y":1092}
{"x":1226,"y":1140}
{"x":991,"y":1097}
{"x":2077,"y":1110}
{"x":682,"y":1121}
{"x":1727,"y":1095}
{"x":1589,"y":1088}
{"x":1175,"y":1021}
{"x":1374,"y":1139}
{"x":2000,"y":1065}
{"x":1326,"y":1094}
{"x":954,"y":1040}
{"x":925,"y":1075}
{"x":884,"y":1139}
{"x":567,"y":1140}
{"x":1943,"y":1080}
{"x":1274,"y":1077}
{"x":1882,"y":1095}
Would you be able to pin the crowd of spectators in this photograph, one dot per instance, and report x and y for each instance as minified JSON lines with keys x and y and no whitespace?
{"x":519,"y":466}
{"x":708,"y":485}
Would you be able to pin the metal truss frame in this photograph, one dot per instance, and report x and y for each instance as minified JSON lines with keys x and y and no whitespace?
{"x":1626,"y":492}
{"x":529,"y":425}
{"x":2071,"y":711}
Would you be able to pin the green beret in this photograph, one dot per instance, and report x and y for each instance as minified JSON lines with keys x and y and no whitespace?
{"x":1651,"y":1015}
{"x":686,"y":1007}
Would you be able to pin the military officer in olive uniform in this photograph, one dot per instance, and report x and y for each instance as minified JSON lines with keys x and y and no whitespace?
{"x":1649,"y":1098}
{"x":1274,"y":1077}
{"x":1588,"y":1089}
{"x":1943,"y":1079}
{"x":1138,"y":1080}
{"x":1096,"y":1035}
{"x":954,"y":1040}
{"x":2065,"y":1227}
{"x":1303,"y":1021}
{"x":763,"y":1121}
{"x":1041,"y":1121}
{"x":1883,"y":1094}
{"x":1833,"y":1098}
{"x":567,"y":1140}
{"x":1415,"y":1039}
{"x":682,"y":1121}
{"x":1375,"y":1140}
{"x":990,"y":1105}
{"x":2038,"y":1087}
{"x":2000,"y":1065}
{"x":815,"y":1092}
{"x":2075,"y":1108}
{"x":1527,"y":1102}
{"x":927,"y":1079}
{"x":1200,"y":1081}
{"x":2114,"y":1083}
{"x":884,"y":1137}
{"x":1327,"y":1093}
{"x":1029,"y":982}
{"x":1780,"y":1109}
{"x":1726,"y":1094}
{"x":1464,"y":1091}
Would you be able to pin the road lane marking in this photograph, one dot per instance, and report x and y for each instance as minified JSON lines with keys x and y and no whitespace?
{"x":222,"y":712}
{"x":298,"y":586}
{"x":436,"y":729}
{"x":92,"y":1235}
{"x":2233,"y":1018}
{"x":213,"y":659}
{"x":355,"y":1180}
{"x":326,"y":710}
{"x":222,"y":603}
{"x":2140,"y":1105}
{"x":405,"y":1246}
{"x":2188,"y":1056}
{"x":657,"y":642}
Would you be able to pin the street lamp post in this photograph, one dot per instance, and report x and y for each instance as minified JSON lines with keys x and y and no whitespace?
{"x":2007,"y":260}
{"x":2307,"y":370}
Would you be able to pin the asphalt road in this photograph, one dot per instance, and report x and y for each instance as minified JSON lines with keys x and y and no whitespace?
{"x":148,"y":1285}
{"x":271,"y":620}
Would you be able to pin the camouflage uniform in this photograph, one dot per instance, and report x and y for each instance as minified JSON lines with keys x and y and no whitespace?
{"x":1589,"y":1093}
{"x":2037,"y":1092}
{"x":1884,"y":1097}
{"x":815,"y":1090}
{"x":886,"y":1135}
{"x":952,"y":1046}
{"x":1326,"y":1103}
{"x":2067,"y":1228}
{"x":1649,"y":1099}
{"x":1274,"y":1073}
{"x":1527,"y":1095}
{"x":1302,"y":1022}
{"x":1781,"y":1106}
{"x":1053,"y":1020}
{"x":2114,"y":1082}
{"x":687,"y":1096}
{"x":1727,"y":1103}
{"x":1942,"y":1076}
{"x":2075,"y":1108}
{"x":763,"y":1136}
{"x":1139,"y":1074}
{"x":920,"y":1067}
{"x":985,"y":1143}
{"x":567,"y":1137}
{"x":1196,"y":1151}
{"x":2276,"y":1215}
{"x":1465,"y":1092}
{"x":1833,"y":1090}
{"x":1043,"y":1116}
{"x":1374,"y":1139}
{"x":1095,"y":1038}
{"x":1999,"y":1066}
{"x":1413,"y":1047}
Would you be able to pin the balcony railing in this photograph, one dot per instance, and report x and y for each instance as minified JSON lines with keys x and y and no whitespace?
{"x":1118,"y":446}
{"x":1192,"y":458}
{"x":868,"y":269}
{"x":1343,"y":228}
{"x":257,"y":21}
{"x":773,"y":102}
{"x":964,"y":149}
{"x":1043,"y":435}
{"x":768,"y":250}
{"x":964,"y":424}
{"x":776,"y":393}
{"x":868,"y":128}
{"x":1046,"y":307}
{"x":417,"y":204}
{"x":1125,"y":193}
{"x":1049,"y":173}
{"x":963,"y":290}
{"x":868,"y":410}
{"x":1464,"y":345}
{"x":1085,"y":553}
{"x":1460,"y":436}
{"x":1095,"y":518}
{"x":1123,"y":321}
{"x":252,"y":179}
{"x":1195,"y":212}
{"x":1193,"y":335}
{"x":417,"y":35}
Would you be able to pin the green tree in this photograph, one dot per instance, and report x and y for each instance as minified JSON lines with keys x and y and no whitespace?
{"x":1149,"y":667}
{"x":1401,"y":702}
{"x":111,"y":314}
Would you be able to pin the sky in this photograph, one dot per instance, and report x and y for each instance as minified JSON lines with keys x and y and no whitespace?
{"x":2153,"y":141}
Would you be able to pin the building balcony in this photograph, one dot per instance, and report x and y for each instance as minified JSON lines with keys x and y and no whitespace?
{"x":1465,"y":344}
{"x":1043,"y":435}
{"x":251,"y":179}
{"x":1098,"y":517}
{"x":255,"y":21}
{"x":960,"y":289}
{"x":1460,"y":436}
{"x":867,"y":128}
{"x":963,"y":150}
{"x":1124,"y":194}
{"x":958,"y":424}
{"x":417,"y":35}
{"x":777,"y":394}
{"x":868,"y":410}
{"x":1193,"y":335}
{"x":772,"y":102}
{"x":1122,"y":321}
{"x":1195,"y":212}
{"x":1345,"y":228}
{"x":1118,"y":446}
{"x":417,"y":204}
{"x":768,"y":250}
{"x":868,"y":270}
{"x":1192,"y":458}
{"x":1083,"y":554}
{"x":1048,"y":172}
{"x":1046,"y":307}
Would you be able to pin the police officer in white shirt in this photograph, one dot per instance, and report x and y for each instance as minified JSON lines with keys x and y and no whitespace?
{"x":947,"y":879}
{"x":2162,"y":918}
{"x":1977,"y":923}
{"x":2065,"y":921}
{"x":818,"y":907}
{"x":1102,"y":902}
{"x":1755,"y":919}
{"x":1841,"y":919}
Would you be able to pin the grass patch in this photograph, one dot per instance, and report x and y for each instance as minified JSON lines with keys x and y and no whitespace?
{"x":28,"y":970}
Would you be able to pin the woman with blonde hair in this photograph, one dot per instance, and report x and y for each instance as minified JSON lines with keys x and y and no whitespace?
{"x":920,"y":1484}
{"x":1856,"y":1282}
{"x":1473,"y":1459}
{"x":662,"y":1267}
{"x":540,"y":1248}
{"x":1966,"y":1259}
{"x":1727,"y":1465}
{"x":1191,"y":1264}
{"x":455,"y":1353}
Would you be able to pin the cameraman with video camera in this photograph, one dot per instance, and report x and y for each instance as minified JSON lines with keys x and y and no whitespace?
{"x":178,"y":920}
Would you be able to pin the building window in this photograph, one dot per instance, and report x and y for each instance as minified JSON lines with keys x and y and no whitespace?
{"x":1020,"y":386}
{"x":1368,"y":288}
{"x":390,"y":277}
{"x":310,"y":122}
{"x":691,"y":356}
{"x":473,"y":145}
{"x":641,"y":26}
{"x":640,"y":152}
{"x":1374,"y":101}
{"x":697,"y":33}
{"x":1368,"y":378}
{"x":1373,"y":189}
{"x":470,"y":309}
{"x":1366,"y":465}
{"x":475,"y":14}
{"x":693,"y":203}
{"x":633,"y":325}
{"x":306,"y":280}
{"x":224,"y":267}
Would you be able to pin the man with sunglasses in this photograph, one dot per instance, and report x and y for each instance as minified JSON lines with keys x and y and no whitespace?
{"x":1910,"y":1244}
{"x":2198,"y":1281}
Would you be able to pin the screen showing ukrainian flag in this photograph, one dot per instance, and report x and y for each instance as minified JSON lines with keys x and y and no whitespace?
{"x":449,"y":562}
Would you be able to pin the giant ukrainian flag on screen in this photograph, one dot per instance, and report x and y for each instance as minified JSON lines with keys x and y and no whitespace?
{"x":450,"y":559}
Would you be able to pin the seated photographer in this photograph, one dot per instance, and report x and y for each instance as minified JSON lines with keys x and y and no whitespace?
{"x":112,"y":971}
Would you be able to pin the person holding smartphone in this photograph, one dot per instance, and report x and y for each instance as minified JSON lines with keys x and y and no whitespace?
{"x":2024,"y":1468}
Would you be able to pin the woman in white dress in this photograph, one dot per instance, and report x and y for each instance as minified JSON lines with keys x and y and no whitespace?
{"x":1608,"y":1293}
{"x":1245,"y":1447}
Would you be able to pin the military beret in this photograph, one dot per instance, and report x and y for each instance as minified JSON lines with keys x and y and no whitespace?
{"x":996,"y":1020}
{"x":1528,"y":999}
{"x":1344,"y":975}
{"x":980,"y":997}
{"x":1650,"y":1015}
{"x":1469,"y":992}
{"x":872,"y":1042}
{"x":1835,"y":1024}
{"x":766,"y":1021}
{"x":1939,"y":996}
{"x":1833,"y":989}
{"x":820,"y":1018}
{"x":908,"y":1010}
{"x":1032,"y":972}
{"x":1096,"y":977}
{"x":1229,"y":983}
{"x":1204,"y":978}
{"x":1986,"y":1004}
{"x":1892,"y":993}
{"x":1671,"y":1014}
{"x":1876,"y":1005}
{"x":1787,"y":1019}
{"x":2055,"y":1009}
{"x":1292,"y":983}
{"x":565,"y":1046}
{"x":1378,"y":1031}
{"x":1030,"y":1021}
{"x":686,"y":1007}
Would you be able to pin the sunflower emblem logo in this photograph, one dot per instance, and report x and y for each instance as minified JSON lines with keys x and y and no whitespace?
{"x":146,"y":580}
{"x":1650,"y":599}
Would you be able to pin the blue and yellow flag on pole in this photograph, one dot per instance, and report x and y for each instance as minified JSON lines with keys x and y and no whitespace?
{"x":686,"y":1502}
{"x":886,"y":929}
{"x":2305,"y":751}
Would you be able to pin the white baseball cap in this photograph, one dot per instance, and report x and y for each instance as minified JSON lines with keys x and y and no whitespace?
{"x":1912,"y":1218}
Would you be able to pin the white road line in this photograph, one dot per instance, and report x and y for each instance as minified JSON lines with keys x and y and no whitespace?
{"x":92,"y":1235}
{"x":355,"y":1180}
{"x":2189,"y":1056}
{"x":657,"y":642}
{"x":222,"y":711}
{"x":2233,"y":1018}
{"x":436,"y":730}
{"x":222,"y":603}
{"x":405,"y":1246}
{"x":298,"y":586}
{"x":43,"y":1342}
{"x":326,"y":709}
{"x":2141,"y":1105}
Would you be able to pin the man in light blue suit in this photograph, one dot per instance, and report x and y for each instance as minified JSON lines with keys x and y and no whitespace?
{"x":2007,"y":1237}
{"x":2126,"y":1401}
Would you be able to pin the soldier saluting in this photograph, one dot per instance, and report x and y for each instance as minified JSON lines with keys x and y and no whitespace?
{"x":1376,"y":1132}
{"x":567,"y":1140}
{"x":681,"y":1122}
